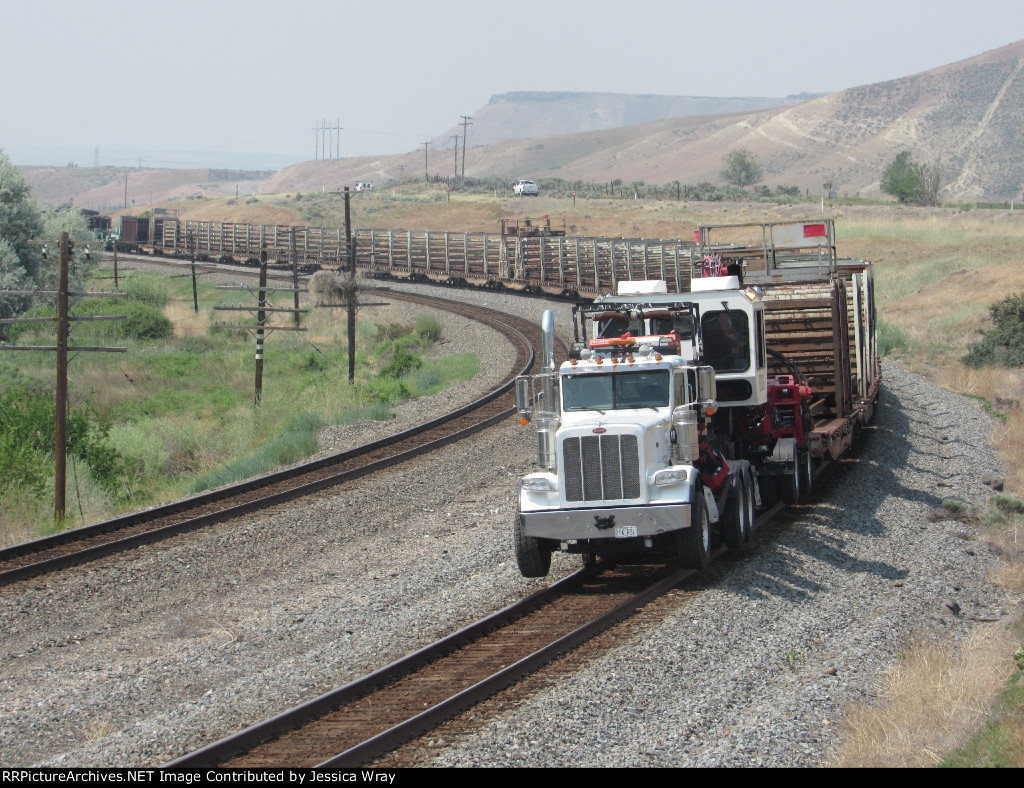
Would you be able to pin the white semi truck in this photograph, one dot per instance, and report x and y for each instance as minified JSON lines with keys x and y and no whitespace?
{"x":674,"y":417}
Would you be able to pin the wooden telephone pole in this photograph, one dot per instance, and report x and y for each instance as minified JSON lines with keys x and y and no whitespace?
{"x":62,"y":320}
{"x":261,"y":310}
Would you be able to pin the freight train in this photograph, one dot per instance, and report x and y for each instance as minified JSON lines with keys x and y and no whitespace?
{"x":529,"y":255}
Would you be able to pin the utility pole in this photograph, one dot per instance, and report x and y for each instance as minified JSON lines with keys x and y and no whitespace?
{"x":295,"y":271}
{"x":261,"y":321}
{"x":456,"y":138}
{"x":61,"y":399}
{"x":192,"y":249}
{"x":62,"y":294}
{"x":351,"y":294}
{"x":465,"y":123}
{"x":261,"y":310}
{"x":426,"y":172}
{"x":347,"y":289}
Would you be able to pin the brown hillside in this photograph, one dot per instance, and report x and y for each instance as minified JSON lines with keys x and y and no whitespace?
{"x":966,"y":115}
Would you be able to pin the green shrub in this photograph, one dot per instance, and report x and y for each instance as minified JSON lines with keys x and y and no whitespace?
{"x":1003,"y":344}
{"x":402,"y":362}
{"x":27,"y":442}
{"x":145,"y":291}
{"x":427,"y":378}
{"x":428,"y":327}
{"x":891,"y":338}
{"x":953,"y":506}
{"x":387,"y":390}
{"x":143,"y":321}
{"x":1008,"y":504}
{"x":392,"y":331}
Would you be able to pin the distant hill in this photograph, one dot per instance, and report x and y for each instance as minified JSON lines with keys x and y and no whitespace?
{"x":966,"y":115}
{"x":525,"y":114}
{"x":107,"y":188}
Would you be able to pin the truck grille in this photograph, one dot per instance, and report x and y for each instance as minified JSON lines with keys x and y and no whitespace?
{"x":601,"y":468}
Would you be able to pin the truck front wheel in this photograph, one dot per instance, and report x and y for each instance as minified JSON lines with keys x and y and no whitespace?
{"x":533,"y":555}
{"x":693,"y":544}
{"x":736,"y":522}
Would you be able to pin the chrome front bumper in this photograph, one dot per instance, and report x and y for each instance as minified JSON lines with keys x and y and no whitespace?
{"x":563,"y":524}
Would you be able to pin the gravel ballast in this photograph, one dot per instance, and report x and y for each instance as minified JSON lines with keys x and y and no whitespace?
{"x":134,"y":660}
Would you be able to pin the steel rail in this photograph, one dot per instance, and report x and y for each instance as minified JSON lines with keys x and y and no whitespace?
{"x":233,"y":747}
{"x":496,"y":320}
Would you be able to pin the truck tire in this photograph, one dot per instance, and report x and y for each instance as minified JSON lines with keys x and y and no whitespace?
{"x":735,"y":523}
{"x":693,"y":544}
{"x":748,"y":478}
{"x":532,"y":554}
{"x":768,"y":486}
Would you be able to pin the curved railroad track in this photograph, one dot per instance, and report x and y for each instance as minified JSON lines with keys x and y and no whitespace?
{"x":363,"y":720}
{"x":83,"y":544}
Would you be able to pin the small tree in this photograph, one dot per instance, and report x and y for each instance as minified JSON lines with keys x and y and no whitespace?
{"x":912,"y":183}
{"x":741,"y":168}
{"x":902,"y":178}
{"x":931,"y":182}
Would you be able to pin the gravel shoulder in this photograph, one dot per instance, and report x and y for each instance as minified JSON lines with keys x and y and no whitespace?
{"x":137,"y":659}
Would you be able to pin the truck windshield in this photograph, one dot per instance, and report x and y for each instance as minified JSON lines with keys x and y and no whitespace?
{"x":615,"y":391}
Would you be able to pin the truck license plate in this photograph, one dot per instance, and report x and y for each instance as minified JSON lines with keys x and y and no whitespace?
{"x":625,"y":531}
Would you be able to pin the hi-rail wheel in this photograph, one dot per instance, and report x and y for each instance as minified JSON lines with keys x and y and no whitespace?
{"x":790,"y":483}
{"x":806,"y":471}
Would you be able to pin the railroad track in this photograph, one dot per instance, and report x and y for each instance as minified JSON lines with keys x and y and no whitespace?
{"x":83,"y":544}
{"x":361,"y":721}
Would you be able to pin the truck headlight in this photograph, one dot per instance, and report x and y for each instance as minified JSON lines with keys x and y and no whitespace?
{"x":670,"y":476}
{"x":537,"y":485}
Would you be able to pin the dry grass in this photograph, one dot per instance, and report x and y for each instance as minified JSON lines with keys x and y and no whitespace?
{"x":19,"y":519}
{"x":188,"y":322}
{"x":1009,"y":574}
{"x":932,"y":702}
{"x":1003,"y":389}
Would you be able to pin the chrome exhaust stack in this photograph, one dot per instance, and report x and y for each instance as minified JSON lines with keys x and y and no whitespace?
{"x":547,"y":418}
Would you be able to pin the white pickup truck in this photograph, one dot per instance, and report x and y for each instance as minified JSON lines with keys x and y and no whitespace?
{"x":525,"y":189}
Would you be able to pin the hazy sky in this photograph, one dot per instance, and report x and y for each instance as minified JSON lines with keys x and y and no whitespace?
{"x":138,"y":80}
